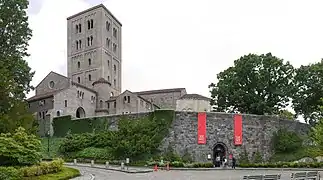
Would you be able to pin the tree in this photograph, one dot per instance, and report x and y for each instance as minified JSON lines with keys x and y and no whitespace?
{"x":285,"y":114}
{"x":15,"y":73}
{"x":317,"y":132}
{"x":256,"y":84}
{"x":284,"y":141}
{"x":309,"y":84}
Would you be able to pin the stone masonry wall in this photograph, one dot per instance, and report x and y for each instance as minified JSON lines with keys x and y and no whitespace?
{"x":257,"y":133}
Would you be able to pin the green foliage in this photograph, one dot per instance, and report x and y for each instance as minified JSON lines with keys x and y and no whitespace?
{"x":15,"y":73}
{"x":284,"y":141}
{"x":243,"y":157}
{"x":65,"y":174}
{"x":257,"y":157}
{"x":316,"y":133}
{"x":19,"y":149}
{"x":54,"y":144}
{"x":256,"y":84}
{"x":95,"y":153}
{"x":187,"y":158}
{"x":285,"y":114}
{"x":42,"y":168}
{"x":135,"y":138}
{"x":171,"y":155}
{"x":309,"y":85}
{"x":10,"y":173}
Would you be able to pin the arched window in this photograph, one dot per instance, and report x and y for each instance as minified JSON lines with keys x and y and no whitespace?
{"x":90,"y":62}
{"x":107,"y":25}
{"x":78,"y":64}
{"x":78,"y":79}
{"x":101,"y":104}
{"x":80,"y":44}
{"x":88,"y":41}
{"x":111,"y":94}
{"x":88,"y":24}
{"x":77,"y":45}
{"x":77,"y":28}
{"x":115,"y":69}
{"x":80,"y":28}
{"x":91,"y":23}
{"x":91,"y":42}
{"x":90,"y":78}
{"x":58,"y":113}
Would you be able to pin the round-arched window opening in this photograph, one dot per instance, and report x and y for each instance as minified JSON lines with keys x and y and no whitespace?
{"x":51,"y":84}
{"x":58,"y":113}
{"x":111,"y":94}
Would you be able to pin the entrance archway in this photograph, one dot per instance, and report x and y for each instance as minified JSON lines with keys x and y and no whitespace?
{"x":80,"y":113}
{"x":219,"y":150}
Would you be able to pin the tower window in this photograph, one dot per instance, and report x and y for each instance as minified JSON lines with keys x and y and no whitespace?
{"x":108,"y":78}
{"x":90,"y":62}
{"x":108,"y":63}
{"x":78,"y":79}
{"x":90,"y":78}
{"x":77,"y":45}
{"x":108,"y":104}
{"x":128,"y":99}
{"x":78,"y":65}
{"x":80,"y":44}
{"x":88,"y":41}
{"x":115,"y":104}
{"x":77,"y":28}
{"x":91,"y":42}
{"x":101,"y":104}
{"x":115,"y":32}
{"x":80,"y":28}
{"x":114,"y":47}
{"x":91,"y":23}
{"x":108,"y":42}
{"x":115,"y":69}
{"x":107,"y":24}
{"x":88,"y":24}
{"x":115,"y":82}
{"x":65,"y":103}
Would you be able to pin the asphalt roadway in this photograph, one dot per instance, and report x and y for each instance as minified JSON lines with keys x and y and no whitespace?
{"x":101,"y":174}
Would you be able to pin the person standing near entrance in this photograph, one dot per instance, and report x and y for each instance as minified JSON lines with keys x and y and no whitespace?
{"x":217,"y":160}
{"x":233,"y":162}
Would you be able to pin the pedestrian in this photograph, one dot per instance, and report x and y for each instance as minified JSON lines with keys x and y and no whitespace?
{"x":225,"y":162}
{"x":233,"y":162}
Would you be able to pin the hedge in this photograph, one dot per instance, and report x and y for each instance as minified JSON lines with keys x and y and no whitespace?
{"x":65,"y":174}
{"x":11,"y":173}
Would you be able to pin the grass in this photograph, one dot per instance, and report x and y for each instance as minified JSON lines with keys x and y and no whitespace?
{"x":65,"y":174}
{"x":53,"y":147}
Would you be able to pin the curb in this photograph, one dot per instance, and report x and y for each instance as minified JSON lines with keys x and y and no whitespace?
{"x":112,"y":169}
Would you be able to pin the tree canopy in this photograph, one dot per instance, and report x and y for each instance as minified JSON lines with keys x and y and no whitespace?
{"x":256,"y":84}
{"x":15,"y":72}
{"x":309,"y":85}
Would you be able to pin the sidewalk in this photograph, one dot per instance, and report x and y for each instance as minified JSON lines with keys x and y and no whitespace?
{"x":114,"y":168}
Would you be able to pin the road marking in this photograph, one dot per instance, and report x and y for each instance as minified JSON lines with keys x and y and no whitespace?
{"x":92,"y":176}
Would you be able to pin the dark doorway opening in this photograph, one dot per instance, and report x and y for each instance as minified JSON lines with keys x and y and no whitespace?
{"x":80,"y":113}
{"x":219,"y":153}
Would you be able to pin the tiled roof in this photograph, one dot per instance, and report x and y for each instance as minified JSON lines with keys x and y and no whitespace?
{"x":43,"y":96}
{"x":159,"y":91}
{"x":195,"y":96}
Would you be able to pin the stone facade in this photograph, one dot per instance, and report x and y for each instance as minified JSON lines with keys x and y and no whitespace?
{"x":193,"y":102}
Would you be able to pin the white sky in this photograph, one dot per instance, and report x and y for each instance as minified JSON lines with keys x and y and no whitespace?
{"x":183,"y":43}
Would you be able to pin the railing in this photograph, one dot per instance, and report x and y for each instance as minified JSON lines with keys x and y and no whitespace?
{"x":262,"y":177}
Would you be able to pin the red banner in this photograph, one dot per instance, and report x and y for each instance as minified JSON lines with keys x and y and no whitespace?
{"x":237,"y":129}
{"x":201,"y":128}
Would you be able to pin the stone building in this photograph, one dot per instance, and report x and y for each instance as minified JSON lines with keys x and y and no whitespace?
{"x":94,"y":68}
{"x":193,"y":102}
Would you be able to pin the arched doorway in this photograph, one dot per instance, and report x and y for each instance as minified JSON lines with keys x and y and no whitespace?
{"x":219,"y":150}
{"x":80,"y":113}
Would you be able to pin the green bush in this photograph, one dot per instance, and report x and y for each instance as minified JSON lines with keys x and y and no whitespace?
{"x":136,"y":139}
{"x":65,"y":174}
{"x":43,"y":168}
{"x":257,"y":158}
{"x":284,"y":141}
{"x":19,"y":149}
{"x":95,"y":153}
{"x":10,"y":173}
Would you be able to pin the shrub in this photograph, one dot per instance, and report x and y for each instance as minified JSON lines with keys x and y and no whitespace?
{"x":95,"y":153}
{"x":257,"y":158}
{"x":243,"y":157}
{"x":284,"y":141}
{"x":187,"y":158}
{"x":43,"y":168}
{"x":10,"y":173}
{"x":19,"y":149}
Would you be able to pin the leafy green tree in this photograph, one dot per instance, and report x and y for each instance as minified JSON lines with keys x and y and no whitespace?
{"x":284,"y":141}
{"x":317,"y":132}
{"x":285,"y":114}
{"x":15,"y":73}
{"x":256,"y":84}
{"x":309,"y":84}
{"x":19,"y":149}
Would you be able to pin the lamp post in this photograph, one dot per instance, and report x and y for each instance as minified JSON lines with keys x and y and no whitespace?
{"x":48,"y":135}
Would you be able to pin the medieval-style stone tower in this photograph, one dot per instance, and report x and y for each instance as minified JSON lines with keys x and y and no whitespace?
{"x":94,"y":51}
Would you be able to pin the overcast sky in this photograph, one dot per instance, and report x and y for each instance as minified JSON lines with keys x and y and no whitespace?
{"x":183,"y":43}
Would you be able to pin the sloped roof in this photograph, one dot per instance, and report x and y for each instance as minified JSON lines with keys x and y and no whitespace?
{"x":159,"y":91}
{"x":52,"y":72}
{"x":45,"y":95}
{"x":195,"y":96}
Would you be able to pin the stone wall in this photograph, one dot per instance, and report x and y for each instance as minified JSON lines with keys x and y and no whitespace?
{"x":257,"y":133}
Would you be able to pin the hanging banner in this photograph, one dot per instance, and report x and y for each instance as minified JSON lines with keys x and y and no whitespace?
{"x":237,"y":129}
{"x":201,"y":128}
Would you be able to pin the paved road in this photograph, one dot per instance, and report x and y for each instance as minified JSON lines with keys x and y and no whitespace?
{"x":101,"y":174}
